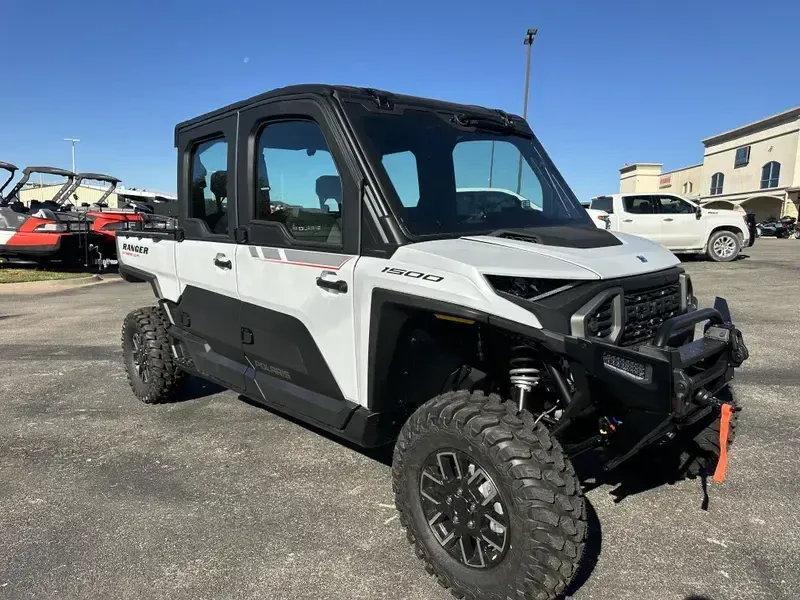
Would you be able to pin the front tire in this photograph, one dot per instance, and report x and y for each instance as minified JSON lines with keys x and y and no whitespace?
{"x":146,"y":348}
{"x":488,"y":499}
{"x":724,"y":246}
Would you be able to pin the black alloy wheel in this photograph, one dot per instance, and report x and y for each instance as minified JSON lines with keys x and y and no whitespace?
{"x":464,"y":509}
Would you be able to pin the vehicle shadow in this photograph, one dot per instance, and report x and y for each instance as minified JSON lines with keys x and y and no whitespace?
{"x":194,"y":388}
{"x":591,"y":553}
{"x":381,"y":454}
{"x":632,"y":478}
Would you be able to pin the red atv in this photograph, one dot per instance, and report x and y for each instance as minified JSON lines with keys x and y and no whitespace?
{"x":42,"y":231}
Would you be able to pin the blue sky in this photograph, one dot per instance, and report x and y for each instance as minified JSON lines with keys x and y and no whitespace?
{"x":612,"y":82}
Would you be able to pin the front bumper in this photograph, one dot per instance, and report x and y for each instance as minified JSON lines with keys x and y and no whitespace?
{"x":674,"y":375}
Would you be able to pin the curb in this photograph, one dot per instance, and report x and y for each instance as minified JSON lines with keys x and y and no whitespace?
{"x":56,"y":285}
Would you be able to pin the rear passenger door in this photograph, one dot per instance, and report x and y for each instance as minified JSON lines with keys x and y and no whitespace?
{"x":641,"y":217}
{"x":209,"y":306}
{"x":299,"y":211}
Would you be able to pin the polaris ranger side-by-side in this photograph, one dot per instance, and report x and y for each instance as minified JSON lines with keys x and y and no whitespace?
{"x":328,"y":263}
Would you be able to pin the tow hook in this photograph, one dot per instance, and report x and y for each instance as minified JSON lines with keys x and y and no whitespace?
{"x":706,"y":398}
{"x":727,"y":409}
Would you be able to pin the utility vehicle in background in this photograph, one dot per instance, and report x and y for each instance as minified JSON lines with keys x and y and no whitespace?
{"x":322,"y":264}
{"x":678,"y":224}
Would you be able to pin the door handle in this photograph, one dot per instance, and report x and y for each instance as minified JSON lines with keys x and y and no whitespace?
{"x":334,"y":286}
{"x":219,"y":261}
{"x":668,"y":219}
{"x":627,"y":220}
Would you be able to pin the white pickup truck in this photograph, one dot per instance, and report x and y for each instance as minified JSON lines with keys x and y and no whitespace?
{"x":677,"y":223}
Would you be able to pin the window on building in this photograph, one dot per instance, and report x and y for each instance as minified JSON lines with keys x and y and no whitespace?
{"x":717,"y":179}
{"x":298,"y":184}
{"x":687,"y":187}
{"x":770,"y":174}
{"x":742,"y":157}
{"x":209,"y":184}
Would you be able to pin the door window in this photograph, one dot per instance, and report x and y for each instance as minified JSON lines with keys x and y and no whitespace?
{"x":670,"y":205}
{"x":298,"y":183}
{"x":639,"y":205}
{"x":209,"y":185}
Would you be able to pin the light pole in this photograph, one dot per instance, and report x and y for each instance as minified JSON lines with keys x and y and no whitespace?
{"x":531,"y":33}
{"x":74,"y":141}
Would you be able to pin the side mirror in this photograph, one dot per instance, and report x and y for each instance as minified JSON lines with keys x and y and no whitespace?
{"x":698,"y":213}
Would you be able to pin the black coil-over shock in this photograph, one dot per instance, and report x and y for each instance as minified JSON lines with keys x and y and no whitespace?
{"x":523,"y":375}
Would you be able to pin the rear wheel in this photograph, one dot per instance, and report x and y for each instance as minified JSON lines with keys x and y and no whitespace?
{"x":488,"y":499}
{"x":152,"y":374}
{"x":724,"y":246}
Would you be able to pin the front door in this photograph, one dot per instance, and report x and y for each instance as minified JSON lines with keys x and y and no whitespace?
{"x":207,"y":318}
{"x":682,"y":230}
{"x":640,"y":217}
{"x":295,"y":273}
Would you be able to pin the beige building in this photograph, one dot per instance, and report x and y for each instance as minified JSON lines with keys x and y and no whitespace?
{"x":755,"y":167}
{"x":85,"y":193}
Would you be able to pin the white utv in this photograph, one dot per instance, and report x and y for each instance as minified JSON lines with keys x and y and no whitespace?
{"x":328,"y":262}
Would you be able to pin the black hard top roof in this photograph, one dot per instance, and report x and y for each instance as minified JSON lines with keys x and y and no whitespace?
{"x":98,"y":177}
{"x":339,"y":90}
{"x":7,"y":166}
{"x":49,"y":171}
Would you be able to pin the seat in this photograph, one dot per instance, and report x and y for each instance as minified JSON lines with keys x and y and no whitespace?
{"x":219,"y":188}
{"x":329,"y":187}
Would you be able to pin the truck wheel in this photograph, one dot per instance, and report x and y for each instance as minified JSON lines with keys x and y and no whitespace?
{"x":724,"y":246}
{"x":700,"y":454}
{"x":152,"y":374}
{"x":488,"y":499}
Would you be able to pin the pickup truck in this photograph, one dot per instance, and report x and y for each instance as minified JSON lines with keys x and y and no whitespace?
{"x":678,"y":224}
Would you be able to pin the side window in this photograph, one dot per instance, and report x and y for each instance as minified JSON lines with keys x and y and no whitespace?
{"x":605,"y":203}
{"x":402,"y":170}
{"x":639,"y":205}
{"x":298,"y":184}
{"x":209,"y":184}
{"x":675,"y":206}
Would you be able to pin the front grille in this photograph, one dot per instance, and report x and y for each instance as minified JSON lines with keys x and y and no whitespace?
{"x":645,"y":310}
{"x":601,"y":322}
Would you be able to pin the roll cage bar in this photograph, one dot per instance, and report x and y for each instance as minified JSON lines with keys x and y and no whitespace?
{"x":80,"y":177}
{"x":26,"y":175}
{"x":12,"y":169}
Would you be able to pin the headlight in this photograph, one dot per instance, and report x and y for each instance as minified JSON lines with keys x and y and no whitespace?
{"x":527,"y":288}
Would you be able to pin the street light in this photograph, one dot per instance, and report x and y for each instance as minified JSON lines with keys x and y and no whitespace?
{"x":74,"y":141}
{"x":528,"y":41}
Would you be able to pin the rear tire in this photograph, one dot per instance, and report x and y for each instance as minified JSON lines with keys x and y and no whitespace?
{"x":724,"y":246}
{"x":506,"y":461}
{"x":146,"y":348}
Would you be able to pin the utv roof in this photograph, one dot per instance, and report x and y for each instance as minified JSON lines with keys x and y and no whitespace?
{"x":7,"y":166}
{"x":342,"y":91}
{"x":49,"y":171}
{"x":98,"y":177}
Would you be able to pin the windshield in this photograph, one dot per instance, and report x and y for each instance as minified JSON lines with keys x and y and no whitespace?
{"x":444,"y":178}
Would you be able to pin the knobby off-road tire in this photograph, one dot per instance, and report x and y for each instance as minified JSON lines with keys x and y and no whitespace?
{"x":724,"y":246}
{"x":700,"y":449}
{"x":535,"y":484}
{"x":152,"y":374}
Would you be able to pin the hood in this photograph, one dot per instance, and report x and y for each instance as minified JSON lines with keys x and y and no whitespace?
{"x":632,"y":255}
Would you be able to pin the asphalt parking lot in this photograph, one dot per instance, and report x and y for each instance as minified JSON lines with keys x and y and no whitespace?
{"x":102,"y":497}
